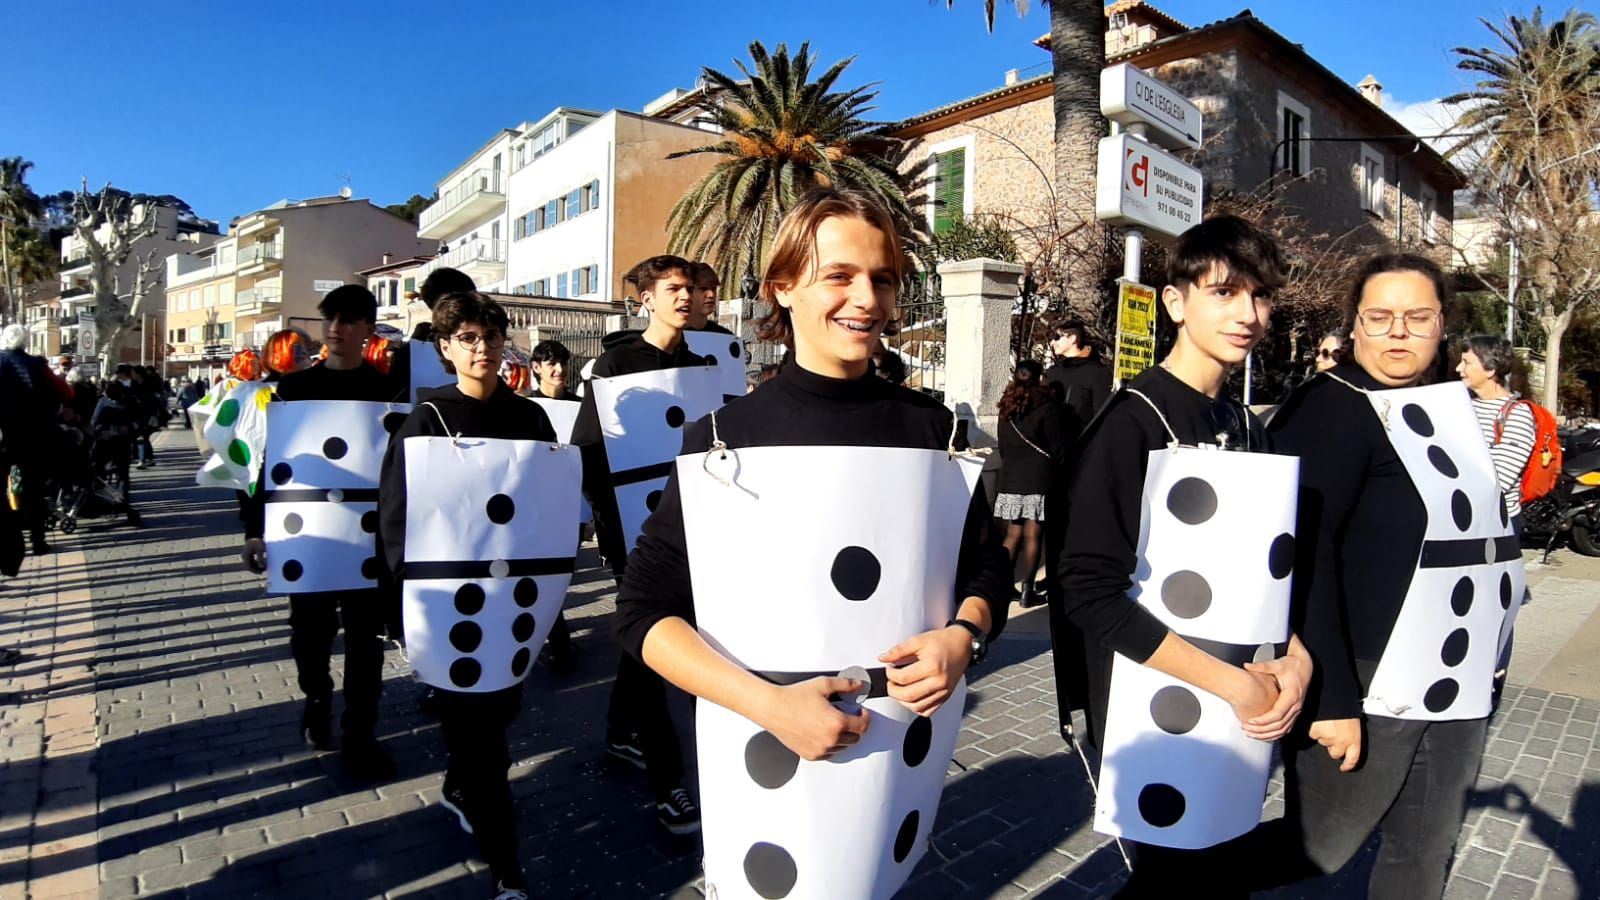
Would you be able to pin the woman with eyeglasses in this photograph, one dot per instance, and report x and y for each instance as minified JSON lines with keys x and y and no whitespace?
{"x":469,"y":330}
{"x":1394,"y":593}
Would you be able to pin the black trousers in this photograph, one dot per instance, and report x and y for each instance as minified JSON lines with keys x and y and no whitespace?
{"x":639,"y":706}
{"x":314,"y":621}
{"x":474,"y":726}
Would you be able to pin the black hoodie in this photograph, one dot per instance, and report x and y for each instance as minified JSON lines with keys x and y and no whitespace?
{"x":1084,"y":384}
{"x":627,"y":353}
{"x":503,"y":415}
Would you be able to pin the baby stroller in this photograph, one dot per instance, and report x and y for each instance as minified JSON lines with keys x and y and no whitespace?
{"x":93,"y":481}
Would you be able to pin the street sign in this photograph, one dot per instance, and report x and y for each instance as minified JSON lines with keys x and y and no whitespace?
{"x":324,"y":285}
{"x":1129,"y":96}
{"x":1136,"y":329}
{"x":1140,"y":185}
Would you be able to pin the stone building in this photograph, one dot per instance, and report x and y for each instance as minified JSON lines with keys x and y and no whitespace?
{"x":1272,"y":113}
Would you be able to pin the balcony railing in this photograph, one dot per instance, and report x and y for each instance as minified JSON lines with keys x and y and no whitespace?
{"x":479,"y":191}
{"x":67,"y":321}
{"x":73,"y":293}
{"x":251,"y":301}
{"x":69,"y":347}
{"x":76,"y":262}
{"x":480,"y":253}
{"x":256,"y":254}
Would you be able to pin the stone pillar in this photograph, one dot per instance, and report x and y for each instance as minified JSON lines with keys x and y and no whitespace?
{"x":979,"y":295}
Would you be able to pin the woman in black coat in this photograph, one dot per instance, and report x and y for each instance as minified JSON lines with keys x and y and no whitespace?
{"x":1033,"y":442}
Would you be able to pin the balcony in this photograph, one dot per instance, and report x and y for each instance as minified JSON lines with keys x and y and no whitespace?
{"x":480,"y":193}
{"x":76,"y":295}
{"x":256,"y":224}
{"x":254,"y":259}
{"x":67,"y":322}
{"x":484,"y":261}
{"x":75,"y":264}
{"x":257,"y":301}
{"x":69,"y":347}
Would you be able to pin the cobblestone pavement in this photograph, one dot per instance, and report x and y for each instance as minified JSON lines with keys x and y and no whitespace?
{"x":149,"y":742}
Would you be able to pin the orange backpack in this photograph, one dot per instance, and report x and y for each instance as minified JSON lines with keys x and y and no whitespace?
{"x":1543,"y":470}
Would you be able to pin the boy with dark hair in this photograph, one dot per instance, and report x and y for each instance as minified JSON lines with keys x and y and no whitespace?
{"x":639,"y":729}
{"x":1080,"y":379}
{"x":706,"y":284}
{"x":1223,"y":273}
{"x":348,"y":314}
{"x":550,"y":361}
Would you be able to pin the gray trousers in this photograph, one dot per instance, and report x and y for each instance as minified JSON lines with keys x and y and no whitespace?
{"x":1412,"y":785}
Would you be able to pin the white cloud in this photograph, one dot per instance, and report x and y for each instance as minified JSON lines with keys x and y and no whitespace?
{"x":1425,"y":118}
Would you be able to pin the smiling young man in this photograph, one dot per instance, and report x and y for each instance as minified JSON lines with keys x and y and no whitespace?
{"x":347,"y":312}
{"x":1221,"y":278}
{"x":639,"y":730}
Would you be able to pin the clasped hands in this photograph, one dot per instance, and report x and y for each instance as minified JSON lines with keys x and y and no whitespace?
{"x":922,"y":672}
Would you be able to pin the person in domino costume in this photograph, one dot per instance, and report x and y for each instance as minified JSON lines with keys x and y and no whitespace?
{"x":1405,"y":586}
{"x":1153,"y":634}
{"x":831,"y":280}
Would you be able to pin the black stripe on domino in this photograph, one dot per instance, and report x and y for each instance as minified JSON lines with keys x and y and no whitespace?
{"x":877,"y":679}
{"x":1235,"y":654}
{"x":322,"y":495}
{"x":642,"y":473}
{"x":479,"y":568}
{"x":1460,"y":554}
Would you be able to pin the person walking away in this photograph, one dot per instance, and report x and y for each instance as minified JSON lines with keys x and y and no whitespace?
{"x":30,"y":396}
{"x":1033,"y":444}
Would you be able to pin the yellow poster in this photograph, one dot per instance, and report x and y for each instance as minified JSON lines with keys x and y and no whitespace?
{"x":1136,"y":329}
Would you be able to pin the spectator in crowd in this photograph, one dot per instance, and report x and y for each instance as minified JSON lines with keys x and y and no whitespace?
{"x":1330,"y":351}
{"x":706,"y":285}
{"x":1033,"y":442}
{"x":1507,"y":424}
{"x":1081,"y":380}
{"x":30,"y":395}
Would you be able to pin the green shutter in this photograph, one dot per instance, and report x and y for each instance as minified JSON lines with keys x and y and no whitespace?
{"x":950,"y":188}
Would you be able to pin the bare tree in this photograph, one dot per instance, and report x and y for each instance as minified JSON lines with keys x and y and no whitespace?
{"x":110,"y":225}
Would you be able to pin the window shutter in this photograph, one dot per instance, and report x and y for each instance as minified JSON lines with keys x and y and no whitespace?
{"x":950,"y":191}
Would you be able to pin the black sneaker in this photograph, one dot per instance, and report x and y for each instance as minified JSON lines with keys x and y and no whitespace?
{"x":316,"y":725}
{"x":626,"y":748}
{"x":455,"y":800}
{"x":365,"y":758}
{"x":678,"y":813}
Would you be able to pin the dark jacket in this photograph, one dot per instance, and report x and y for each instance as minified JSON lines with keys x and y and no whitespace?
{"x":503,"y":415}
{"x":1084,"y":386}
{"x":1024,"y":469}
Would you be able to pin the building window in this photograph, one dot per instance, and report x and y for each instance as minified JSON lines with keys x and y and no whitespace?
{"x":1294,"y":136}
{"x":949,"y":188}
{"x":1370,"y":179}
{"x":561,"y":285}
{"x":552,"y":213}
{"x":541,"y":287}
{"x":594,"y":194}
{"x":1429,"y":212}
{"x":574,"y":203}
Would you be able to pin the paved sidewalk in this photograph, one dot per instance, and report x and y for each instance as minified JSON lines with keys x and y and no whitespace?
{"x":150,"y":749}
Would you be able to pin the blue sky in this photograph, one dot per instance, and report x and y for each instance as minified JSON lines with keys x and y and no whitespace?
{"x":233,"y":106}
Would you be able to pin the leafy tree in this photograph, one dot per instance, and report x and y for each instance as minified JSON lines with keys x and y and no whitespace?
{"x":783,"y":134}
{"x":19,"y":206}
{"x":413,"y":207}
{"x":1534,"y":153}
{"x":979,"y":236}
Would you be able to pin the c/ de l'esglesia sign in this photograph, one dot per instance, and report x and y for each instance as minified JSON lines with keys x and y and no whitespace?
{"x":1138,"y":184}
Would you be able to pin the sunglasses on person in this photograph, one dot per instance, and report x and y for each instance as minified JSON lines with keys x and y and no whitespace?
{"x":494,"y":340}
{"x":1333,"y":353}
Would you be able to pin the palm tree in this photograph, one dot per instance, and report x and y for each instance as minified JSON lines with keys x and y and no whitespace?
{"x":1533,"y":140}
{"x":1078,"y":54}
{"x":783,"y":133}
{"x":19,"y":206}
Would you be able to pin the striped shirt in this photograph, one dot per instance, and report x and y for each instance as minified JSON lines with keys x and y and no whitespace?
{"x":1511,"y":455}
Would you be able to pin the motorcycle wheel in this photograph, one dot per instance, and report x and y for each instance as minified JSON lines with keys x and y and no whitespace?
{"x":1585,"y":541}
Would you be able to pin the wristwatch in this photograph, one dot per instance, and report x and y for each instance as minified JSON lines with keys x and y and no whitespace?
{"x":980,"y":641}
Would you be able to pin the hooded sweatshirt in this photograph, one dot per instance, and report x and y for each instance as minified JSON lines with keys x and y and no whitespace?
{"x":503,"y":415}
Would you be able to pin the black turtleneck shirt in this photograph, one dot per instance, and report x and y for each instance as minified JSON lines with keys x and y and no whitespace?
{"x":1104,"y":514}
{"x":799,"y":408}
{"x":1358,"y":536}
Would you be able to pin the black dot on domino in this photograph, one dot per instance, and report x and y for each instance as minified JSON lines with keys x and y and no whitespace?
{"x":500,"y":509}
{"x":768,"y":761}
{"x":770,"y":870}
{"x":855,"y":573}
{"x":1161,"y":805}
{"x":906,"y":838}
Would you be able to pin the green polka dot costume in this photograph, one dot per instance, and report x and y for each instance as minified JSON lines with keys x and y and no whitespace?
{"x":236,"y":432}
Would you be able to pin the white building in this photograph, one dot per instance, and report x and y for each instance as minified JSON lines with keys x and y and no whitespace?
{"x":578,"y":196}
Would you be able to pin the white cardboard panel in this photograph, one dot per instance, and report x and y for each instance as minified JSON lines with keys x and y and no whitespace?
{"x":724,"y":352}
{"x":427,"y":369}
{"x":850,"y":584}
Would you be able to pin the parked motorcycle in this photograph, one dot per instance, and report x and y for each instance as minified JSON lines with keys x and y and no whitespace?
{"x":1573,"y":507}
